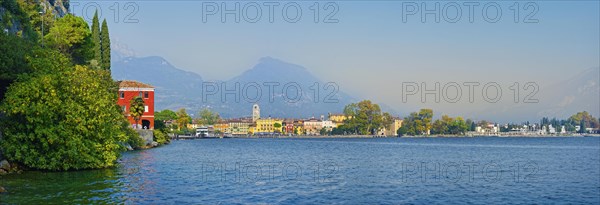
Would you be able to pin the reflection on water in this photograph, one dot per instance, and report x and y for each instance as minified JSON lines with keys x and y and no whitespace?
{"x":317,"y":171}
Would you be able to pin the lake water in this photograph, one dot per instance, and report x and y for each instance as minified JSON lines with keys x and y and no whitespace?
{"x":332,"y":171}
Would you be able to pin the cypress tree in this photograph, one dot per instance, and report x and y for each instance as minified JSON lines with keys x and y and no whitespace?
{"x":105,"y":47}
{"x":96,"y":38}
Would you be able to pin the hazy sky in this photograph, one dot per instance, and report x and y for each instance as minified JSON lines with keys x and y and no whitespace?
{"x":371,"y":50}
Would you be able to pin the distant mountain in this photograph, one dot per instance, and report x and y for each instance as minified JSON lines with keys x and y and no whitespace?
{"x":176,"y":88}
{"x":581,"y":92}
{"x":297,"y":93}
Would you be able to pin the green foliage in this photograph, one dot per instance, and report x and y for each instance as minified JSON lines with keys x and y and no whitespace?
{"x":159,"y":125}
{"x":105,"y":43}
{"x":71,"y":36}
{"x":585,"y":117}
{"x":62,"y":120}
{"x":160,"y":117}
{"x":21,"y":15}
{"x":161,"y":137}
{"x":96,"y":38}
{"x":324,"y":131}
{"x":136,"y":109}
{"x":133,"y":138}
{"x":165,"y":115}
{"x":208,"y":117}
{"x":365,"y":117}
{"x":417,"y":123}
{"x":451,"y":126}
{"x":183,"y":119}
{"x":12,"y":59}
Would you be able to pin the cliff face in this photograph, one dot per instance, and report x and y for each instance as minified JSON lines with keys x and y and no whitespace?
{"x":15,"y":15}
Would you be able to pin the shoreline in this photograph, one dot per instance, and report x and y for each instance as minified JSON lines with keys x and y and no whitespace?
{"x":418,"y":136}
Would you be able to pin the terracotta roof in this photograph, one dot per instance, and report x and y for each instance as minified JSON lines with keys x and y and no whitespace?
{"x":133,"y":84}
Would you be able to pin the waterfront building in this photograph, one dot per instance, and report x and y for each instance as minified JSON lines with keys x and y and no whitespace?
{"x":288,"y":126}
{"x":129,"y":89}
{"x":312,"y":126}
{"x":268,"y":126}
{"x":393,"y":128}
{"x":222,"y":127}
{"x":328,"y":125}
{"x":338,"y":119}
{"x":239,"y":126}
{"x":193,"y":125}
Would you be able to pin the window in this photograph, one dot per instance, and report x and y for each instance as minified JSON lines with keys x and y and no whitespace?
{"x":122,"y":94}
{"x":124,"y":107}
{"x":140,"y":93}
{"x":145,"y":108}
{"x":146,"y":94}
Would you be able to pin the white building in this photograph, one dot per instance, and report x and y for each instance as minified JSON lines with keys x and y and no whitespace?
{"x":255,"y":112}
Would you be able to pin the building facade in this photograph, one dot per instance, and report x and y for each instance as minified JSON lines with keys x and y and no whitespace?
{"x":130,"y":89}
{"x":313,"y":126}
{"x":268,"y":126}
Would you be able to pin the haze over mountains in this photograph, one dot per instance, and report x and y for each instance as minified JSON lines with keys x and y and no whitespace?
{"x":177,"y":88}
{"x":577,"y":92}
{"x":296,"y":92}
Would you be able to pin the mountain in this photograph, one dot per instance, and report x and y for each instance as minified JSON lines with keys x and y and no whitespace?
{"x":177,"y":88}
{"x":296,"y":92}
{"x":581,"y":92}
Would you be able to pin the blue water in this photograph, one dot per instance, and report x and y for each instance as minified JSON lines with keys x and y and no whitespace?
{"x":332,"y":171}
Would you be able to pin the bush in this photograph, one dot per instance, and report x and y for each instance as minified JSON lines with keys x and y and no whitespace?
{"x":133,"y":138}
{"x":62,"y":119}
{"x":161,"y":137}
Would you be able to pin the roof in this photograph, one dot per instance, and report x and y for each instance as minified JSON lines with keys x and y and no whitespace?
{"x":133,"y":84}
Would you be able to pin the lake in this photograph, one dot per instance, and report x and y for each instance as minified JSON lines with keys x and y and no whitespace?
{"x":332,"y":171}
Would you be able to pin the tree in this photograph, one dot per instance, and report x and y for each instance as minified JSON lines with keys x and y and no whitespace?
{"x":72,"y":37}
{"x":458,"y":126}
{"x":365,"y":117}
{"x":323,"y":131}
{"x":96,"y":38}
{"x":105,"y":46}
{"x":424,"y":121}
{"x":62,"y":117}
{"x":417,"y":123}
{"x":165,"y":115}
{"x":588,"y":120}
{"x":277,"y":126}
{"x":13,"y":61}
{"x":183,"y":119}
{"x":208,"y":117}
{"x":136,"y":109}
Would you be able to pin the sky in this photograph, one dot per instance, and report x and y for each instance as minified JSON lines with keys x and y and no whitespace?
{"x":369,"y":48}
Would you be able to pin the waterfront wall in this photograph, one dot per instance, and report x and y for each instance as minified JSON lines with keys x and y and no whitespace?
{"x":146,"y":135}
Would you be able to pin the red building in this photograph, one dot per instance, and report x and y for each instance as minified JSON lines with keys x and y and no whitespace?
{"x":127,"y":91}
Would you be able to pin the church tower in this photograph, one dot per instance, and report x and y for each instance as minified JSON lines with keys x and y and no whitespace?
{"x":255,"y":112}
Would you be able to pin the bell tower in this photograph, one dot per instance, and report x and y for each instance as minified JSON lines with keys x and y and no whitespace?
{"x":255,"y":112}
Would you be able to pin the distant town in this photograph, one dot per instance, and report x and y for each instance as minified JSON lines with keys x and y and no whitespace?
{"x":374,"y":122}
